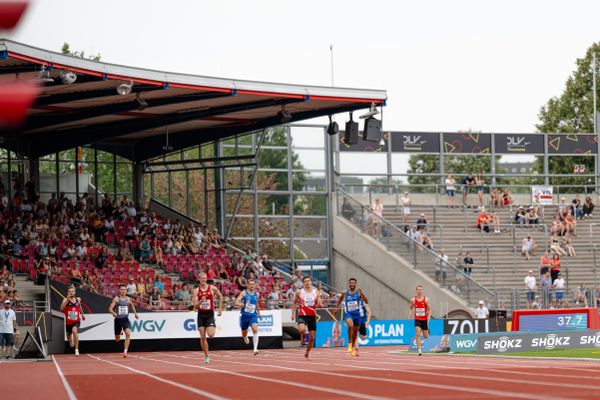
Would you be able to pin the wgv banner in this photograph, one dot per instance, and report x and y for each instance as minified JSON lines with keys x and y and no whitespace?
{"x":379,"y":333}
{"x":499,"y":344}
{"x":176,"y":325}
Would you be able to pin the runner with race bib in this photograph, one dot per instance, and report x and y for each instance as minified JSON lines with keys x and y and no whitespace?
{"x":420,"y":304}
{"x":351,"y":298}
{"x":71,"y":307}
{"x":309,"y":300}
{"x":119,"y":308}
{"x":204,"y":302}
{"x":247,"y":301}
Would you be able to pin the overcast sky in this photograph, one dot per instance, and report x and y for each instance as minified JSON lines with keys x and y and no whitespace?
{"x":447,"y":65}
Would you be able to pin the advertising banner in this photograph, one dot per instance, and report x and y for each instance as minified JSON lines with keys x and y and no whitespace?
{"x":176,"y":325}
{"x":463,"y":326}
{"x":379,"y":333}
{"x":502,"y":343}
{"x":572,"y":144}
{"x":463,"y":343}
{"x":542,"y":195}
{"x":519,"y":144}
{"x":415,"y":142}
{"x":467,"y":143}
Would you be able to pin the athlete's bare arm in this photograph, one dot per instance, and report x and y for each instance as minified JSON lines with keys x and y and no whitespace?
{"x":217,"y":293}
{"x":410,"y":308}
{"x":195,"y":298}
{"x":134,"y":310}
{"x":80,"y":308}
{"x":296,"y":298}
{"x":428,"y":310}
{"x":111,"y":308}
{"x":362,"y":295}
{"x":63,"y":304}
{"x":340,"y":299}
{"x":368,"y":309}
{"x":238,"y":301}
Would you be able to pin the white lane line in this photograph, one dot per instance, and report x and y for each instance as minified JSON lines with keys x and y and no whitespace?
{"x":490,"y":392}
{"x":167,"y":381}
{"x":306,"y":387}
{"x":64,"y":381}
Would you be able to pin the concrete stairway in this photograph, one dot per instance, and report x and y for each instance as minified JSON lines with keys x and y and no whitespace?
{"x":504,"y":248}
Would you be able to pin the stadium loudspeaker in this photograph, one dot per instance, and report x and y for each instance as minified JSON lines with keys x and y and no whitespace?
{"x":372,"y":130}
{"x":351,"y":133}
{"x":333,"y":128}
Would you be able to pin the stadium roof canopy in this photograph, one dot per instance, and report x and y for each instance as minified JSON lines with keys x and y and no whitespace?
{"x":193,"y":109}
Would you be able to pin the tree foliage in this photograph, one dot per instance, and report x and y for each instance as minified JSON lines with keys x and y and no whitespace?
{"x":66,"y":49}
{"x":571,"y":112}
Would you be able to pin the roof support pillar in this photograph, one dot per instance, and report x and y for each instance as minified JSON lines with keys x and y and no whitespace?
{"x":138,"y":184}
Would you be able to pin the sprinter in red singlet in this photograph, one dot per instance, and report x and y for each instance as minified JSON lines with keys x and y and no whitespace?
{"x":71,"y":306}
{"x":422,"y":311}
{"x":307,"y":314}
{"x":204,"y":302}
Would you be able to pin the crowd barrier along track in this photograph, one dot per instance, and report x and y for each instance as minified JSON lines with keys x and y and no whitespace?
{"x":284,"y":374}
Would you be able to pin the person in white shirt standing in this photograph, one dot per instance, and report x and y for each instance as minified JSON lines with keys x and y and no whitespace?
{"x":405,"y":201}
{"x":8,"y":326}
{"x":450,"y":183}
{"x":482,"y":311}
{"x":531,"y":287}
{"x":559,"y":285}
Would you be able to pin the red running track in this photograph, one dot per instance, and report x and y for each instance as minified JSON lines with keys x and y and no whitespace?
{"x":284,"y":374}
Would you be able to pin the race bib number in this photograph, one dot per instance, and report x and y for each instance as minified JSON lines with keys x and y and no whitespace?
{"x":352,"y":306}
{"x":420,"y":312}
{"x":123,"y":310}
{"x":250,"y":308}
{"x":73,"y":315}
{"x":205,"y":305}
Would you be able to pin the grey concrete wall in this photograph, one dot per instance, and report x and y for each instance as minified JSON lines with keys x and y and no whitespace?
{"x":388,"y":280}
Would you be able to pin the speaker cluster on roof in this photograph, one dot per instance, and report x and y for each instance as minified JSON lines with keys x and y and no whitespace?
{"x":284,"y":115}
{"x":124,"y":89}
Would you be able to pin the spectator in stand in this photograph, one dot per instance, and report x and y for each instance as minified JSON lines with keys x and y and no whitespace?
{"x":505,"y":198}
{"x":468,"y":263}
{"x":482,"y":312}
{"x":546,"y":281}
{"x":274,"y":297}
{"x":555,"y":268}
{"x":413,"y":233}
{"x":568,"y":245}
{"x":536,"y":304}
{"x":348,"y":211}
{"x":495,"y":197}
{"x":580,"y":295}
{"x":131,"y":288}
{"x":483,"y":221}
{"x":378,"y":211}
{"x":479,"y":184}
{"x":555,"y":245}
{"x":495,"y":222}
{"x":154,"y":297}
{"x":588,"y":207}
{"x":529,"y":247}
{"x":467,"y":183}
{"x":291,"y":292}
{"x":422,"y":222}
{"x":563,"y":209}
{"x":440,"y":269}
{"x":545,"y":264}
{"x":406,"y":203}
{"x":576,"y":208}
{"x":559,"y":285}
{"x":267,"y":263}
{"x":531,"y":287}
{"x":450,"y":183}
{"x":159,"y":283}
{"x":570,"y":225}
{"x":521,"y":216}
{"x":141,"y":288}
{"x":532,"y":217}
{"x":426,"y":239}
{"x":144,"y":249}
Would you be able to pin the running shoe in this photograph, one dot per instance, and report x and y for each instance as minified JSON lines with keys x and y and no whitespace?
{"x":255,"y":352}
{"x":246,"y":340}
{"x":306,"y":356}
{"x":76,"y":352}
{"x":356,"y":353}
{"x":420,"y":353}
{"x":124,"y":354}
{"x":353,"y":353}
{"x":349,"y":349}
{"x":206,"y":360}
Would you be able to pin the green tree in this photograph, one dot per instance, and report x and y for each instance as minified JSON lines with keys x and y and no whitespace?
{"x":571,"y":112}
{"x":66,"y":49}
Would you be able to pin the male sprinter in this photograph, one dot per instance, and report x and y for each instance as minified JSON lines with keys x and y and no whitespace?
{"x":247,"y":301}
{"x":365,"y":319}
{"x":422,"y":314}
{"x":71,"y":306}
{"x":351,"y":299}
{"x":204,"y":302}
{"x":307,"y":314}
{"x":122,"y":324}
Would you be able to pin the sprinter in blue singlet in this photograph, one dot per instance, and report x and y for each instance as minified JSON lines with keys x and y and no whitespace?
{"x":247,"y":301}
{"x":351,"y":299}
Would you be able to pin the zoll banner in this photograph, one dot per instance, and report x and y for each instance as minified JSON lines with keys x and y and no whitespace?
{"x":465,"y":326}
{"x":175,"y":325}
{"x":498,"y":344}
